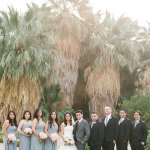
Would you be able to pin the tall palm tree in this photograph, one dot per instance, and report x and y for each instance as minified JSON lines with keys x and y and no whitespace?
{"x":68,"y":35}
{"x":114,"y":49}
{"x":25,"y":59}
{"x":142,"y":71}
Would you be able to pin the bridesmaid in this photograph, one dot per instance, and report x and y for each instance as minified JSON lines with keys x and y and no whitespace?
{"x":38,"y":125}
{"x":9,"y":127}
{"x":51,"y":127}
{"x":25,"y":140}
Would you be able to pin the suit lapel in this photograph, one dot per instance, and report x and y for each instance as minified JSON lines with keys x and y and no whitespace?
{"x":136,"y":125}
{"x":109,"y":120}
{"x":93,"y":124}
{"x":123,"y":121}
{"x":80,"y":124}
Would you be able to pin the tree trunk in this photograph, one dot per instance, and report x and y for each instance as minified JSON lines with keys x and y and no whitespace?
{"x":18,"y":96}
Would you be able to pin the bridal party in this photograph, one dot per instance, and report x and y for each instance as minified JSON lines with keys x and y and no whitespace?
{"x":74,"y":132}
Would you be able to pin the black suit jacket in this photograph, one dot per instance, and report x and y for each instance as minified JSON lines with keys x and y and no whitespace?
{"x":123,"y":130}
{"x":97,"y":134}
{"x":111,"y":129}
{"x":138,"y":133}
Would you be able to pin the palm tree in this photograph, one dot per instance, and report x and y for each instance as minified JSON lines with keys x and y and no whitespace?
{"x":25,"y":59}
{"x":68,"y":35}
{"x":142,"y":71}
{"x":114,"y":50}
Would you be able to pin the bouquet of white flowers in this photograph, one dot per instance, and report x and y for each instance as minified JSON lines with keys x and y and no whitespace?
{"x":11,"y":138}
{"x":69,"y":141}
{"x":43,"y":136}
{"x":54,"y":137}
{"x":28,"y":131}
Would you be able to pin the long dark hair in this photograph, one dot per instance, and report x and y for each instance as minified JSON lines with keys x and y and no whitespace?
{"x":26,"y":111}
{"x":65,"y":121}
{"x":36,"y":114}
{"x":50,"y":120}
{"x":14,"y":121}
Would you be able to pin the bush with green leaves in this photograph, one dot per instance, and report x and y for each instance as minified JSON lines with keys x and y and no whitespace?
{"x":148,"y":142}
{"x":138,"y":102}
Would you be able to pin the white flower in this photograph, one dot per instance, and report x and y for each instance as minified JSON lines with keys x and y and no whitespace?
{"x":43,"y":135}
{"x":69,"y":141}
{"x":12,"y":137}
{"x":28,"y":131}
{"x":54,"y":137}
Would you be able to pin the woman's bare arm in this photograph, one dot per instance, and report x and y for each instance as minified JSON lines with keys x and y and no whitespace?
{"x":20,"y":126}
{"x":4,"y":128}
{"x":34,"y":124}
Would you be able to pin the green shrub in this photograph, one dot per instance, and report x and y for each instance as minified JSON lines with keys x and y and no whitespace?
{"x":148,"y":142}
{"x":1,"y":138}
{"x":87,"y":147}
{"x":138,"y":102}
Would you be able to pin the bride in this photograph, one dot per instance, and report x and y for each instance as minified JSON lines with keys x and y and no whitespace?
{"x":67,"y":141}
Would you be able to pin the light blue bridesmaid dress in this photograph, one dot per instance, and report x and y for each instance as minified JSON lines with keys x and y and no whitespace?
{"x":25,"y":141}
{"x":48,"y":144}
{"x":37,"y":144}
{"x":12,"y":145}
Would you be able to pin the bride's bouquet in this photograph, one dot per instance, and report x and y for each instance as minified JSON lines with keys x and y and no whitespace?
{"x":54,"y":137}
{"x":11,"y":138}
{"x":28,"y":131}
{"x":43,"y":136}
{"x":69,"y":141}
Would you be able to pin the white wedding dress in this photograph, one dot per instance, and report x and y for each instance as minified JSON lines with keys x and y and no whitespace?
{"x":68,"y":133}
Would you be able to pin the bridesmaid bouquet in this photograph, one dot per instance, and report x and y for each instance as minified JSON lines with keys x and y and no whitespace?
{"x":11,"y":138}
{"x":54,"y":137}
{"x":69,"y":141}
{"x":43,"y":136}
{"x":28,"y":131}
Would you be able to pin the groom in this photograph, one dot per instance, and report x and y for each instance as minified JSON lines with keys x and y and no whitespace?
{"x":81,"y":131}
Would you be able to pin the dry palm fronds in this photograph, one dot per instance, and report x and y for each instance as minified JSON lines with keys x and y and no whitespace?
{"x":18,"y":96}
{"x":69,"y":34}
{"x":103,"y":88}
{"x":143,"y":80}
{"x":67,"y":68}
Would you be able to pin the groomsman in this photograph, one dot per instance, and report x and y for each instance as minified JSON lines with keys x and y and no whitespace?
{"x":123,"y":131}
{"x":81,"y":131}
{"x":97,"y":133}
{"x":139,"y":132}
{"x":110,"y":129}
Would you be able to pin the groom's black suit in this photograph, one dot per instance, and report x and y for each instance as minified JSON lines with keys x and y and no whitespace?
{"x":110,"y":134}
{"x":97,"y":135}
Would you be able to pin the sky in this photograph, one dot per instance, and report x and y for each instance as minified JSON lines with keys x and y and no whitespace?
{"x":136,"y":9}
